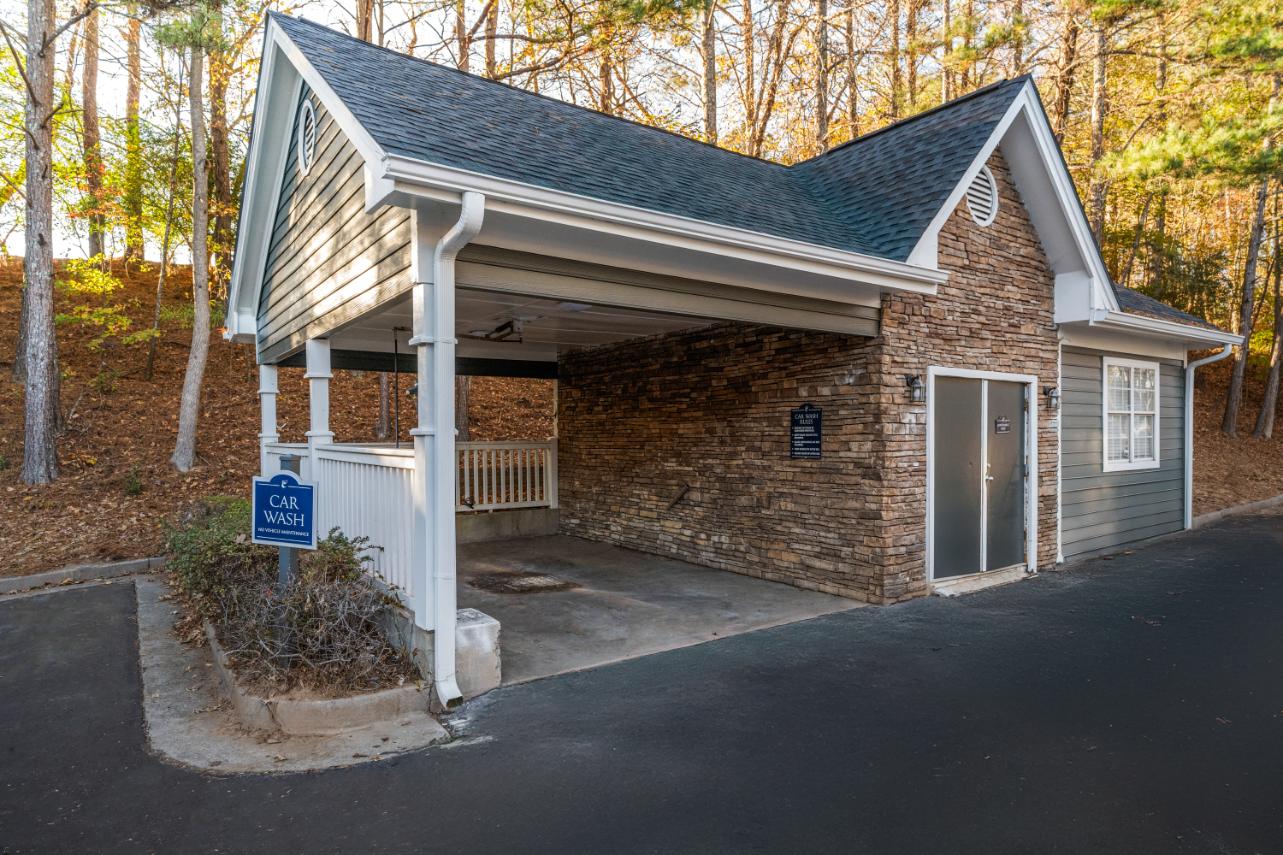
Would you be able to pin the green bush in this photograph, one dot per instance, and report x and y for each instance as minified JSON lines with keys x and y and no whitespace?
{"x":320,"y":631}
{"x":211,"y":553}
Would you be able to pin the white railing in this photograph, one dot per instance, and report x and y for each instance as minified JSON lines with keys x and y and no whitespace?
{"x":503,"y":475}
{"x":275,"y":450}
{"x":367,"y":491}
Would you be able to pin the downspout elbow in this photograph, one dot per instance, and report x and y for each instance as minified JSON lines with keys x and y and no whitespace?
{"x":1189,"y":427}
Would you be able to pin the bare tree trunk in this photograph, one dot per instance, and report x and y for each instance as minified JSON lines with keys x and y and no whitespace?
{"x":492,"y":31}
{"x":893,"y":57}
{"x":383,"y":423}
{"x":852,"y":73}
{"x":189,"y":407}
{"x":152,"y":345}
{"x":1099,"y":107}
{"x":92,"y":137}
{"x":1125,"y":277}
{"x":748,"y":50}
{"x":822,"y":75}
{"x":133,"y":183}
{"x":1265,"y":418}
{"x":365,"y":20}
{"x":39,"y":454}
{"x":219,"y":75}
{"x":708,"y":48}
{"x":946,"y":50}
{"x":462,"y":422}
{"x":463,"y":43}
{"x":1066,"y":65}
{"x":1018,"y":40}
{"x":911,"y":52}
{"x":1234,"y":395}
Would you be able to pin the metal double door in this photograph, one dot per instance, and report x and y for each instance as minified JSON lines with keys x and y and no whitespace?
{"x":980,"y":475}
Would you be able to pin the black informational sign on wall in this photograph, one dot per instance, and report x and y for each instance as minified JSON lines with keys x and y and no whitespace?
{"x":806,"y":432}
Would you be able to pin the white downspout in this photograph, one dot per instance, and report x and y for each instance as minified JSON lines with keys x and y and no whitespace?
{"x":441,"y":342}
{"x":1189,"y":427}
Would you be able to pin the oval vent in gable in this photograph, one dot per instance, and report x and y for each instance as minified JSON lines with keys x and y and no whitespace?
{"x":307,"y":133}
{"x":982,"y":197}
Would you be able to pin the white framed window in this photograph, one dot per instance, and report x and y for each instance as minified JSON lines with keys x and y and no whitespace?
{"x":307,"y":133}
{"x":1131,"y":414}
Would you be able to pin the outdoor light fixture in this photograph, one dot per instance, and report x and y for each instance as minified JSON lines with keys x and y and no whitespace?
{"x":1053,"y":396}
{"x":917,"y":392}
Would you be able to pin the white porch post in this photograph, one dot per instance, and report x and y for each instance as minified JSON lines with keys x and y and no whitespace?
{"x":435,"y":464}
{"x":317,"y":353}
{"x":267,"y":433}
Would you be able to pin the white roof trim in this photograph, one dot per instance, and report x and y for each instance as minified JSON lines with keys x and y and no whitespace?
{"x":411,"y":175}
{"x":1147,"y":326}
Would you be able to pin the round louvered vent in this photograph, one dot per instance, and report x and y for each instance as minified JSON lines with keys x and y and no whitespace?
{"x":306,"y":136}
{"x":982,"y":197}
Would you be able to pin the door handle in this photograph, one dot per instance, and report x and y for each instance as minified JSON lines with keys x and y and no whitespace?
{"x":988,"y":477}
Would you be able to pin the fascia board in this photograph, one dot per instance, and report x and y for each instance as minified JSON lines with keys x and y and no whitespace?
{"x":433,"y":180}
{"x":1141,"y":325}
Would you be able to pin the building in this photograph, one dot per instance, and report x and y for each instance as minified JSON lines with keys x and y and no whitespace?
{"x":895,"y":365}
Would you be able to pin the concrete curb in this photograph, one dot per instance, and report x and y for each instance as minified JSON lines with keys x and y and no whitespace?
{"x":1213,"y":516}
{"x":322,"y":717}
{"x":81,"y":573}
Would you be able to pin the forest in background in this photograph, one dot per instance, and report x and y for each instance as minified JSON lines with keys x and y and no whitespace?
{"x":124,"y":127}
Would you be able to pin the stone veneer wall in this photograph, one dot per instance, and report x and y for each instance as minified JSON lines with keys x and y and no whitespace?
{"x":678,"y":444}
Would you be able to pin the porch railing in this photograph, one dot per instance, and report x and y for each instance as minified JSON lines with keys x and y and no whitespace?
{"x":367,"y":490}
{"x":502,"y":475}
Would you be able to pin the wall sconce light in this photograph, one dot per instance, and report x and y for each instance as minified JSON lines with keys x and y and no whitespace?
{"x":917,"y":392}
{"x":1053,"y":396}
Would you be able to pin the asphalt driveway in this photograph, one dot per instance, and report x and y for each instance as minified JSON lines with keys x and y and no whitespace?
{"x":1132,"y":705}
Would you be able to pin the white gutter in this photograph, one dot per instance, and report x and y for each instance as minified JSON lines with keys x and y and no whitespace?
{"x":503,"y":195}
{"x":442,"y":341}
{"x":1139,"y":324}
{"x":1189,"y":427}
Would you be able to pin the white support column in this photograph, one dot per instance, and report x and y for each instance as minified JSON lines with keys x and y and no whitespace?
{"x":435,"y":467}
{"x":267,"y":432}
{"x":317,"y":353}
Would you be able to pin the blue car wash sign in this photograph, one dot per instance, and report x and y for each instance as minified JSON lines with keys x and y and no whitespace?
{"x":284,"y":511}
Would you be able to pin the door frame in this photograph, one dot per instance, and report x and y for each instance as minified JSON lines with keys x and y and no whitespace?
{"x":1030,"y":383}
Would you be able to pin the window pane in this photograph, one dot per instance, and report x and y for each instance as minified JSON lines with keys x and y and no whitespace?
{"x":1145,"y":380}
{"x":1117,"y":438}
{"x":1144,"y":439}
{"x":1120,"y":392}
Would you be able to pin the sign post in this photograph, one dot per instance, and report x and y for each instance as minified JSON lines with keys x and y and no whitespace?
{"x":285,"y":515}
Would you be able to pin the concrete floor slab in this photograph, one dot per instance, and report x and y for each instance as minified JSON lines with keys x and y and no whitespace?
{"x":623,"y":604}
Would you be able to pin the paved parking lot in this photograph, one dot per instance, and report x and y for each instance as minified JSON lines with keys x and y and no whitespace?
{"x":1130,"y":705}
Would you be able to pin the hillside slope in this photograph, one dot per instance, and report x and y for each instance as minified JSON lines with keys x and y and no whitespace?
{"x":121,"y":427}
{"x":120,"y":433}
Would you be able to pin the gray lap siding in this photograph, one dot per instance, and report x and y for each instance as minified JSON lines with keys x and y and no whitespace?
{"x":1104,"y":510}
{"x":328,"y":259}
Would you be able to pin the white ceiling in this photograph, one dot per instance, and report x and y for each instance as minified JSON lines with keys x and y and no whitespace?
{"x":548,"y":326}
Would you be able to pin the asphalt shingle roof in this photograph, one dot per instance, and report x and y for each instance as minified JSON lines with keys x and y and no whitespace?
{"x":875,"y":195}
{"x":1136,"y":303}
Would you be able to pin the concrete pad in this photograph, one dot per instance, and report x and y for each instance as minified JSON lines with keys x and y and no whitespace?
{"x":625,"y":603}
{"x":960,"y":585}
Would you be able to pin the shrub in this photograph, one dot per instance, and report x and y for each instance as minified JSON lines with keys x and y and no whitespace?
{"x":320,"y":632}
{"x":133,"y":482}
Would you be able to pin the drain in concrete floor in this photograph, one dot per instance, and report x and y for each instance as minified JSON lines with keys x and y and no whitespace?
{"x":520,"y":583}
